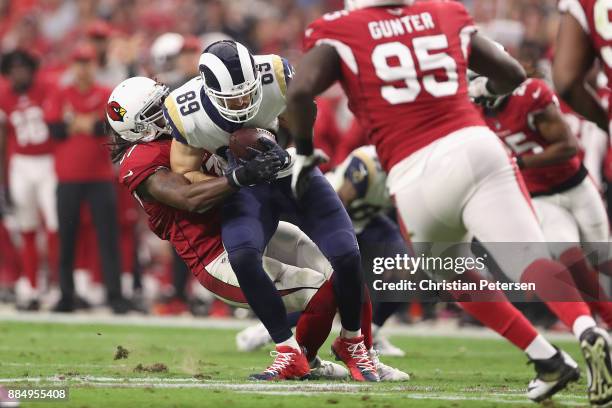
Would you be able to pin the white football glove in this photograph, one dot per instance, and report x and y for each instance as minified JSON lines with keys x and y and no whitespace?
{"x":300,"y":172}
{"x":481,"y":95}
{"x":478,"y":88}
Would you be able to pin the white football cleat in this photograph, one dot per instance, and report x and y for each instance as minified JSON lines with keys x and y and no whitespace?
{"x":552,"y":375}
{"x":385,"y":372}
{"x":327,"y":370}
{"x":253,"y":338}
{"x":385,"y":348}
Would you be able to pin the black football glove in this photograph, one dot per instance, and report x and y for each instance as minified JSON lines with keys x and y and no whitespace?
{"x":273,"y":147}
{"x":262,"y":168}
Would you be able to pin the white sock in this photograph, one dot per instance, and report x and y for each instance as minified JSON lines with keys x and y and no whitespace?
{"x":347,"y":334}
{"x":375,"y":330}
{"x":540,"y":349}
{"x":582,"y":324}
{"x":291,"y":342}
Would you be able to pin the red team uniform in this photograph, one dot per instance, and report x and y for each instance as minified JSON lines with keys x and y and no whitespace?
{"x":595,"y":18}
{"x":24,"y":116}
{"x":196,"y":237}
{"x":94,"y":164}
{"x":404,"y":71}
{"x":514,"y":124}
{"x":384,"y":53}
{"x":31,"y":173}
{"x":567,"y":201}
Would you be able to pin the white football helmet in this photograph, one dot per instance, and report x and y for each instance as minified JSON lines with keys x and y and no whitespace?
{"x":134,"y":109}
{"x":165,"y":47}
{"x":359,"y":4}
{"x":229,"y":74}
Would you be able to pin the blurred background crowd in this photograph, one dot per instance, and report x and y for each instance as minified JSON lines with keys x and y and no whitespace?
{"x":76,"y":50}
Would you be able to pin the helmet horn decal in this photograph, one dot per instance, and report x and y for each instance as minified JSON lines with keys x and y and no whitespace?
{"x":115,"y":111}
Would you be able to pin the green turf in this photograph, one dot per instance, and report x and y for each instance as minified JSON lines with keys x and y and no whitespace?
{"x":446,"y":372}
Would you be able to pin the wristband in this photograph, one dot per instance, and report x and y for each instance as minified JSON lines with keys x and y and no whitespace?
{"x":304,"y":147}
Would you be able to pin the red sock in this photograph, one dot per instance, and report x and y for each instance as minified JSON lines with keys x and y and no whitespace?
{"x":316,"y":320}
{"x":555,"y":286}
{"x":587,"y":282}
{"x":30,"y":257}
{"x":497,"y":313}
{"x":366,"y":319}
{"x":53,"y":256}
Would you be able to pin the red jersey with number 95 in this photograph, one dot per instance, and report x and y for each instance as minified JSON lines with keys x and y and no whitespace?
{"x":514,"y":123}
{"x":595,"y":18}
{"x":404,"y":71}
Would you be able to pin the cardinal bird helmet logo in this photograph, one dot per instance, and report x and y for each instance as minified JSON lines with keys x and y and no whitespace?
{"x":115,"y":111}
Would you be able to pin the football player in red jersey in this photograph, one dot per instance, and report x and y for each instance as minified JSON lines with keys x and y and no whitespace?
{"x":594,"y":142}
{"x":403,"y":66}
{"x":585,"y":33}
{"x":188,"y":215}
{"x":31,"y":173}
{"x":565,"y":199}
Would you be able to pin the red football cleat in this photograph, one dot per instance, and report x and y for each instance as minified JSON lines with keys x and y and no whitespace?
{"x":170,"y":307}
{"x":289,"y":364}
{"x":354,"y":354}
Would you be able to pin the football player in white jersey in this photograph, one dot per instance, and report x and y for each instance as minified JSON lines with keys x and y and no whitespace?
{"x":236,"y":90}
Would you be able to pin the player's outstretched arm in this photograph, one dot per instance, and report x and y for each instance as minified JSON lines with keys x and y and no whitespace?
{"x":176,"y":191}
{"x":574,"y":57}
{"x":563,"y":145}
{"x":487,"y":59}
{"x":318,"y":70}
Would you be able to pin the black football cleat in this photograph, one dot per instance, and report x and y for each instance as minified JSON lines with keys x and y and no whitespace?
{"x":552,"y":375}
{"x":595,"y":345}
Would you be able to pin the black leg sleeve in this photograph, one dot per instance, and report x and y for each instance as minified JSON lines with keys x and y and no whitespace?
{"x":69,"y":197}
{"x":102,"y":199}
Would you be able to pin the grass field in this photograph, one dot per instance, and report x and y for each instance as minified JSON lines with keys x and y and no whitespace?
{"x":199,"y":367}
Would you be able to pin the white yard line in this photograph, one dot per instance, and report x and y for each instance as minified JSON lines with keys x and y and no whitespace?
{"x":304,"y":388}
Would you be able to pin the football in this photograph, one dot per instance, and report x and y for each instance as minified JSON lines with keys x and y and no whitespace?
{"x":241,"y":139}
